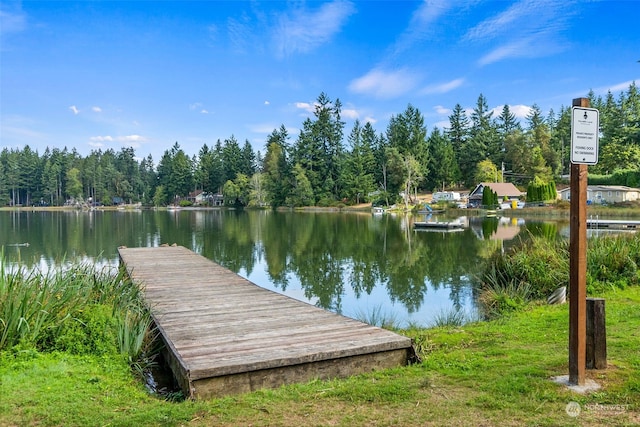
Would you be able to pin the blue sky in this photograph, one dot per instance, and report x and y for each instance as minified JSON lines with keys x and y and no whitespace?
{"x":146,"y":74}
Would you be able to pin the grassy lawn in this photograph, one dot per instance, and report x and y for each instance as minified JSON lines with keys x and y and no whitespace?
{"x":483,"y":374}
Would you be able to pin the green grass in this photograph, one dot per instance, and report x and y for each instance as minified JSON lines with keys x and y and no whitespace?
{"x":488,"y":373}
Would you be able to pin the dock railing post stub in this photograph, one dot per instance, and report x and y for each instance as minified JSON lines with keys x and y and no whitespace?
{"x":596,"y":351}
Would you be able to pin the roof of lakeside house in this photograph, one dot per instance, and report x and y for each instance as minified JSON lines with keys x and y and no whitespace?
{"x":606,"y":188}
{"x":502,"y":189}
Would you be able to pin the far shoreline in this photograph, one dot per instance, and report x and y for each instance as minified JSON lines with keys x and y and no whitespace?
{"x":553,"y":212}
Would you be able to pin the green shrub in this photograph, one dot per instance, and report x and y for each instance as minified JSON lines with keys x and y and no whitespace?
{"x":502,"y":292}
{"x":613,"y":262}
{"x":541,"y":263}
{"x":91,"y":331}
{"x":537,"y":267}
{"x":75,"y":308}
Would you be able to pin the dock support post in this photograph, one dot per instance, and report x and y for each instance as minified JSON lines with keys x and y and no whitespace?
{"x":596,"y":357}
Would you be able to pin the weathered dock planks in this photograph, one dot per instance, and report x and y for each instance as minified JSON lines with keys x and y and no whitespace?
{"x":225,"y":335}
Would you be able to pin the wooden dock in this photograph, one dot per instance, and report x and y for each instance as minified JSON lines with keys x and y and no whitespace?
{"x":613,"y":224}
{"x":438,"y":225}
{"x":225,"y":335}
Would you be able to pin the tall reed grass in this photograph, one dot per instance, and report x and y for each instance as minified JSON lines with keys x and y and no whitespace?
{"x":74,"y":307}
{"x":535,"y":268}
{"x":378,"y":317}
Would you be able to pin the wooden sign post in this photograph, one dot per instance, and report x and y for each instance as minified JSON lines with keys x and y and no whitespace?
{"x":578,"y":257}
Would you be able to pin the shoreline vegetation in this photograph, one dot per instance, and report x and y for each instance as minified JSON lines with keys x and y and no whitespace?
{"x":556,"y":210}
{"x":75,"y":344}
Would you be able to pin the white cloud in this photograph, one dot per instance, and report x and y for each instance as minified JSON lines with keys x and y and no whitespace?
{"x":74,"y":109}
{"x":267,"y":103}
{"x":519,"y":111}
{"x":134,"y":141}
{"x":132,"y":138}
{"x":213,"y":32}
{"x":494,"y":26}
{"x":264,"y":128}
{"x":106,"y":138}
{"x":302,"y":30}
{"x":240,"y":33}
{"x":13,"y":21}
{"x":515,"y":49}
{"x":532,"y":28}
{"x":442,"y":110}
{"x":370,"y":119}
{"x":310,"y":108}
{"x":443,"y":87}
{"x":96,"y":109}
{"x":384,"y":84}
{"x":421,"y":23}
{"x":350,"y":113}
{"x":19,"y":131}
{"x":442,"y":124}
{"x":615,"y":88}
{"x":203,"y":111}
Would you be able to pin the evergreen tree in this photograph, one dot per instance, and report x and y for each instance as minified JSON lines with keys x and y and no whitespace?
{"x":561,"y":139}
{"x":148,"y":178}
{"x":74,"y":186}
{"x":359,"y":163}
{"x":175,"y":173}
{"x":4,"y":193}
{"x":319,"y":150}
{"x":458,"y":134}
{"x":301,"y":193}
{"x":396,"y":174}
{"x":443,"y":167}
{"x":275,"y":168}
{"x":630,"y":107}
{"x":540,"y":137}
{"x":232,"y":159}
{"x":408,"y":134}
{"x":489,"y":198}
{"x":247,"y":159}
{"x":506,"y":122}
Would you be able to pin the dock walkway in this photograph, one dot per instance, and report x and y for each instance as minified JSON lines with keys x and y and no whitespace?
{"x":225,"y":335}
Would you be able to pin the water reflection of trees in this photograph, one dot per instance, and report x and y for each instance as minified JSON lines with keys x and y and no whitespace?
{"x":328,"y":253}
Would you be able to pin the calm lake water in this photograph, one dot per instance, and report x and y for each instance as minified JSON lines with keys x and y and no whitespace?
{"x":357,"y":264}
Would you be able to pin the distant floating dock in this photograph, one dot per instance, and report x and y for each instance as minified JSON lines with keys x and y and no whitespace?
{"x":438,"y":225}
{"x":225,"y":335}
{"x":613,"y":224}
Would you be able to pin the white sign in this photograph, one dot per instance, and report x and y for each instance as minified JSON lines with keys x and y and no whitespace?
{"x":585,"y":124}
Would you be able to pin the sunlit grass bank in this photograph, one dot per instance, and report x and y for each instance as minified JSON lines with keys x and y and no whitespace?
{"x":492,"y":373}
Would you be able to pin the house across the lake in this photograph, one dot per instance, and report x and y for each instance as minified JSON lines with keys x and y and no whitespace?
{"x":603,"y":194}
{"x":504,"y":190}
{"x":200,"y":198}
